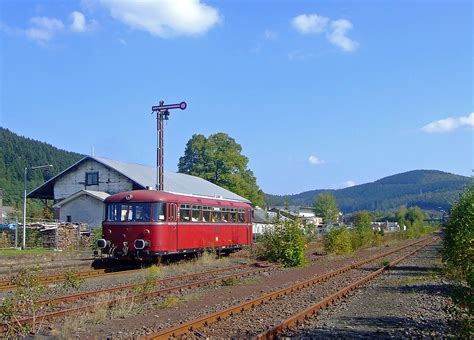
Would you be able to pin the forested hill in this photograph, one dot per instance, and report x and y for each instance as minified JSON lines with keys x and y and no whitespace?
{"x":16,"y":152}
{"x":428,"y":189}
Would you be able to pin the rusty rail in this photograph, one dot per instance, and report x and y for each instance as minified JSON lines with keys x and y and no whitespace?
{"x":8,"y":285}
{"x":314,"y":309}
{"x":195,"y":324}
{"x":78,"y":296}
{"x":108,"y":303}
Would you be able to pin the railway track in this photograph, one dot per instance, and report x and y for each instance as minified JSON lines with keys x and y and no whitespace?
{"x":8,"y":285}
{"x":267,"y":308}
{"x":134,"y":296}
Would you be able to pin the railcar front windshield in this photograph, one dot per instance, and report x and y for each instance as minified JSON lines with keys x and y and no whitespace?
{"x":135,"y":212}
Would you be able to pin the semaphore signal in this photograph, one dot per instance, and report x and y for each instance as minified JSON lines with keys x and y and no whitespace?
{"x":162,"y":114}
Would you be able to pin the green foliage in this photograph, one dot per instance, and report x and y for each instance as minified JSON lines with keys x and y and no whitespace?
{"x":428,"y":189}
{"x":231,"y":281}
{"x":72,"y":280}
{"x":401,"y":213}
{"x":151,"y":279}
{"x":18,"y":152}
{"x":458,"y":250}
{"x":309,"y":231}
{"x":25,"y":297}
{"x":286,"y":243}
{"x":325,"y":205}
{"x":338,"y":240}
{"x":96,"y":234}
{"x":363,"y":235}
{"x":218,"y":159}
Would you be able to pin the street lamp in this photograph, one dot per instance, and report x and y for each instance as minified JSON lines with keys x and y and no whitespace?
{"x":23,"y":246}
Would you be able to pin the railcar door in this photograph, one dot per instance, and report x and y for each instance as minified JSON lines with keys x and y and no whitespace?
{"x":172,"y":226}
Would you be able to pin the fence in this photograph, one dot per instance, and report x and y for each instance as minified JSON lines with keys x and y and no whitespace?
{"x":46,"y":234}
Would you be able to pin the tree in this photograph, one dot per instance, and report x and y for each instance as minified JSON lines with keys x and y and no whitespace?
{"x":219,"y":160}
{"x":400,"y":216}
{"x":362,"y":220}
{"x":363,"y":234}
{"x":326,"y":206}
{"x":415,"y":217}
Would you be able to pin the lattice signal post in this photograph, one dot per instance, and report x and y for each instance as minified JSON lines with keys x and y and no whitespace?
{"x":162,"y":114}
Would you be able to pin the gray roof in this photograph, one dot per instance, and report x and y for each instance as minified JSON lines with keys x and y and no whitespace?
{"x":143,"y":176}
{"x":99,"y":195}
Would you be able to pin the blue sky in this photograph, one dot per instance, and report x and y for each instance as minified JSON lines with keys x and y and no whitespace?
{"x":320,"y":94}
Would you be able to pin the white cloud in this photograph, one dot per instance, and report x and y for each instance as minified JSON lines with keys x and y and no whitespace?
{"x":336,"y":30}
{"x":270,"y":35}
{"x":338,"y":35}
{"x":315,"y":160}
{"x":449,"y":124}
{"x":310,"y":23}
{"x":165,"y":18}
{"x":78,"y":22}
{"x":43,"y":28}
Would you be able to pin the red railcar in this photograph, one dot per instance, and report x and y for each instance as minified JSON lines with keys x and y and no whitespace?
{"x":148,"y":223}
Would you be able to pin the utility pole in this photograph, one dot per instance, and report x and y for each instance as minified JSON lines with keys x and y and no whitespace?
{"x":162,"y":114}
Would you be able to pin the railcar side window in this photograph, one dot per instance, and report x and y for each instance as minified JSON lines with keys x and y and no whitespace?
{"x":241,"y":216}
{"x":216,"y":215}
{"x":185,"y":213}
{"x":233,"y":216}
{"x":225,"y":215}
{"x":197,"y":212}
{"x":206,"y":214}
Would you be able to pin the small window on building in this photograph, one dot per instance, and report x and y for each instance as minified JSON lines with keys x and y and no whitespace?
{"x":68,"y":218}
{"x":92,"y":178}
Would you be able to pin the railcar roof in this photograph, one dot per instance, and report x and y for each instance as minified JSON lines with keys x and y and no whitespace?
{"x":162,"y":196}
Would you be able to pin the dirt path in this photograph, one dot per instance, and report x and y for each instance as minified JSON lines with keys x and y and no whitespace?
{"x":408,"y":302}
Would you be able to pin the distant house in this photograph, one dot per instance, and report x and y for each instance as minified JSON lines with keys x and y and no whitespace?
{"x":388,"y":227}
{"x":263,"y":220}
{"x":80,"y":190}
{"x":307,"y":214}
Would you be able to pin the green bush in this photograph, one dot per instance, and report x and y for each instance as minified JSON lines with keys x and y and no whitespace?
{"x":458,"y":252}
{"x":458,"y":255}
{"x":362,"y":238}
{"x":285,"y":243}
{"x":338,"y":240}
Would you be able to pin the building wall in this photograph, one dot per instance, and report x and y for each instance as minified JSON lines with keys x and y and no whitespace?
{"x":84,"y":209}
{"x":110,"y":181}
{"x":260,"y":228}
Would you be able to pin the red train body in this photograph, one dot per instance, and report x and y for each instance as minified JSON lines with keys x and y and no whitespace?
{"x":148,"y":223}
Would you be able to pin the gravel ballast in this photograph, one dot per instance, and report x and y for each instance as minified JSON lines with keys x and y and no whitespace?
{"x":409,"y":301}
